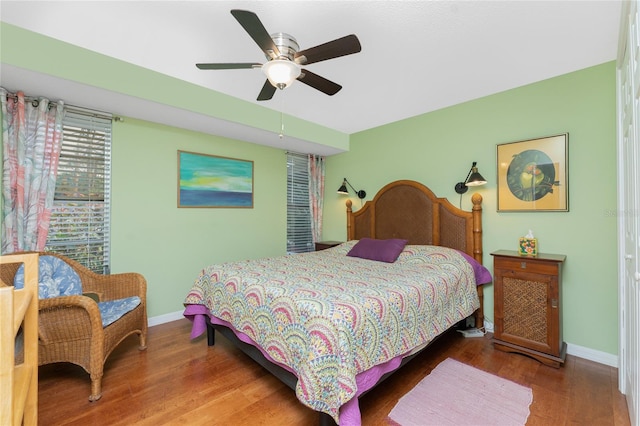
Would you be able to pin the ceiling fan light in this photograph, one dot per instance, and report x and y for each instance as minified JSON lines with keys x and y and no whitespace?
{"x":281,"y":73}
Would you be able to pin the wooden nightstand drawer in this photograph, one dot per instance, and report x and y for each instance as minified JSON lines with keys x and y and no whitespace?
{"x":526,"y":265}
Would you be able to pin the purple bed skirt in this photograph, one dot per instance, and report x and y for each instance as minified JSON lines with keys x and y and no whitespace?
{"x":349,"y":412}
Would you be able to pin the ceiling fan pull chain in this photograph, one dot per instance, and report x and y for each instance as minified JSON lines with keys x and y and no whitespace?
{"x":281,"y":126}
{"x":281,"y":135}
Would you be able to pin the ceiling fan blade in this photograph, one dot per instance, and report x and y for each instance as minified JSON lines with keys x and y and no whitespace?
{"x":319,"y":83}
{"x":332,"y":49}
{"x":253,"y":26}
{"x":267,"y":91}
{"x":229,"y":66}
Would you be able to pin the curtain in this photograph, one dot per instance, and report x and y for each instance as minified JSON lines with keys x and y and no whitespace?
{"x":31,"y":142}
{"x":316,"y":194}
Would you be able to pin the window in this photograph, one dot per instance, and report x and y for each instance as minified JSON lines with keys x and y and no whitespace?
{"x":79,"y":227}
{"x":299,"y":237}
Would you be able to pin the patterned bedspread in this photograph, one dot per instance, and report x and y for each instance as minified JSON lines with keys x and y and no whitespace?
{"x":328,"y":316}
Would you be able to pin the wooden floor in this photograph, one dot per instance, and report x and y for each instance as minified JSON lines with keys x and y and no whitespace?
{"x":178,"y":381}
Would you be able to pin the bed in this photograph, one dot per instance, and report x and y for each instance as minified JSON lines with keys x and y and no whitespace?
{"x":334,"y":323}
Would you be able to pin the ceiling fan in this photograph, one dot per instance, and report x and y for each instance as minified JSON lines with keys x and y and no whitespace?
{"x":284,"y":60}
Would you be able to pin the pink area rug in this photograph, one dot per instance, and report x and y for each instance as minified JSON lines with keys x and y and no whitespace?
{"x":457,"y":394}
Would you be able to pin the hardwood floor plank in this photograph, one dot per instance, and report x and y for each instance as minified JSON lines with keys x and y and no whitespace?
{"x":591,"y":381}
{"x":177,"y":381}
{"x":548,"y":408}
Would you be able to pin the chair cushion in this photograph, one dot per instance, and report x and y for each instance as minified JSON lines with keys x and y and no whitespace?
{"x":55,"y":278}
{"x":114,"y":309}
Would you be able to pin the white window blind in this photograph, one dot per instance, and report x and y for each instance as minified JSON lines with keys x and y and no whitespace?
{"x":299,"y":237}
{"x":79,"y":227}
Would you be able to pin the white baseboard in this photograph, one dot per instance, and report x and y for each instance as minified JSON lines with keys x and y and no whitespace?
{"x":488,"y":326}
{"x":575,"y":350}
{"x":161,"y":319}
{"x":579,"y":351}
{"x":592,"y":355}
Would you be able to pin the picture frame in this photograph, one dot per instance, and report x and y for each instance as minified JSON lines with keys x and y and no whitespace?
{"x":533,"y":175}
{"x":210,"y":181}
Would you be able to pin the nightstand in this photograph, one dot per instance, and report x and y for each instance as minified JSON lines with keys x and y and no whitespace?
{"x":323,"y":245}
{"x":527,"y":305}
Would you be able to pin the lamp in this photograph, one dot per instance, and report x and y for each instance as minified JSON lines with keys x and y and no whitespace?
{"x":343,"y":189}
{"x":281,"y":72}
{"x":473,"y":179}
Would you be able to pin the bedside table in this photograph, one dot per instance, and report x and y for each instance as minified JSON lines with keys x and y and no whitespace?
{"x":527,"y":305}
{"x":323,"y":245}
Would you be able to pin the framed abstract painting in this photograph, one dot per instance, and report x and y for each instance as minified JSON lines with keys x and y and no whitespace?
{"x":533,"y":175}
{"x":211,"y":181}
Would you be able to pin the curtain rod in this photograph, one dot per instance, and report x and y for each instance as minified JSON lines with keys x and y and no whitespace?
{"x":34,"y":100}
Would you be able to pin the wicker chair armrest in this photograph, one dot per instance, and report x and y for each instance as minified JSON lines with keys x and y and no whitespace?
{"x":61,"y":317}
{"x":116,"y":286}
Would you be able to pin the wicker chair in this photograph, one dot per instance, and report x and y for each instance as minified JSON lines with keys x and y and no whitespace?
{"x":70,"y":327}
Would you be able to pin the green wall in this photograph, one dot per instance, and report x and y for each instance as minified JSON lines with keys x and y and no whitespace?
{"x":437,"y":149}
{"x":171,"y":245}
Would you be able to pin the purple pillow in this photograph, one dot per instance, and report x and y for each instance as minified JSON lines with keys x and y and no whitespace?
{"x":483,"y":276}
{"x":381,"y":250}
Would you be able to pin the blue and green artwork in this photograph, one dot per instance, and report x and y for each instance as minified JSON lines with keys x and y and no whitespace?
{"x":210,"y":181}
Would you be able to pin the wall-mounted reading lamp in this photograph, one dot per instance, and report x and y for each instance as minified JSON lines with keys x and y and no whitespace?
{"x":343,"y":189}
{"x":473,"y":179}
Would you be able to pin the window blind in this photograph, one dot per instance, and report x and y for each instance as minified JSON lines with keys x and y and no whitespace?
{"x":299,"y":237}
{"x":80,"y":219}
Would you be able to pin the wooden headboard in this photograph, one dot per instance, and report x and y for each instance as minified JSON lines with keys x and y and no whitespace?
{"x":409,"y":210}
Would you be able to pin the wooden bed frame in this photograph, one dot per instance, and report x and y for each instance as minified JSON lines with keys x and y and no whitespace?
{"x":409,"y":210}
{"x":402,"y":209}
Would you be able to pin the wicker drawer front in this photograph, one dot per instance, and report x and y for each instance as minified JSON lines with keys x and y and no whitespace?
{"x":525,"y":310}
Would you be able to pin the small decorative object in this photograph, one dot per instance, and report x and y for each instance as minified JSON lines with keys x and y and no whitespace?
{"x":528,"y":245}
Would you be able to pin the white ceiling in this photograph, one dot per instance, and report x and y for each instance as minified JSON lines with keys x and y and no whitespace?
{"x":417,"y":56}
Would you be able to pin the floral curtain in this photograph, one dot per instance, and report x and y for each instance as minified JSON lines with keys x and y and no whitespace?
{"x":316,"y":194}
{"x":31,"y":142}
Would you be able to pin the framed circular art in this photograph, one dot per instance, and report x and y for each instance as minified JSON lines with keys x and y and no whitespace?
{"x":533,"y":175}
